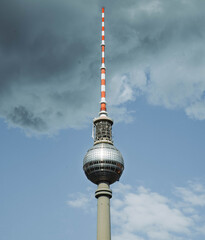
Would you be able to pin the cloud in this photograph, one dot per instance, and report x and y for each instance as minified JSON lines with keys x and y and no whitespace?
{"x":194,"y":196}
{"x":161,"y":52}
{"x":149,"y":214}
{"x":50,"y":59}
{"x":48,"y":73}
{"x":82,"y":201}
{"x":145,"y":214}
{"x":197,"y":109}
{"x":163,"y":43}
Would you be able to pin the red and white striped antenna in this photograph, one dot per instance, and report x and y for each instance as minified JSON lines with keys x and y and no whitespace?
{"x":103,"y":109}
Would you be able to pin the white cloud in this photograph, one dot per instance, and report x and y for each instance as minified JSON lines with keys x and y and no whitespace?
{"x":141,"y":214}
{"x":118,"y":114}
{"x":194,"y":196}
{"x":196,"y":110}
{"x":125,"y":87}
{"x":149,"y":214}
{"x":126,"y":235}
{"x":82,"y":200}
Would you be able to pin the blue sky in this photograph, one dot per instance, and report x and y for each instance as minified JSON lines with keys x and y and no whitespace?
{"x":49,"y":93}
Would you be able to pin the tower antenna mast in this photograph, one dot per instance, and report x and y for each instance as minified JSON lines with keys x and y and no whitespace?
{"x":103,"y":110}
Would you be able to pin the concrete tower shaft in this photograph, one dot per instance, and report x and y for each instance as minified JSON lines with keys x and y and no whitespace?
{"x":103,"y":194}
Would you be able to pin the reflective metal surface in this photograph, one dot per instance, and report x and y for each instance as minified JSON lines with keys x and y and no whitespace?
{"x":103,"y":162}
{"x":103,"y":151}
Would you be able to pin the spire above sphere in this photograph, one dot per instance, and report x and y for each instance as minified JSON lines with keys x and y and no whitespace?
{"x":103,"y":109}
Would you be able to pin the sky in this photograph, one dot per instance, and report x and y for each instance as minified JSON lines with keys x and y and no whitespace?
{"x":50,"y":92}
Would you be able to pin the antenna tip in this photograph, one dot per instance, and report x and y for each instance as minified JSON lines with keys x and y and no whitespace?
{"x":103,"y":9}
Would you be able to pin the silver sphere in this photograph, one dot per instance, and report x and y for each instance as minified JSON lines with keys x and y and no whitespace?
{"x":103,"y":163}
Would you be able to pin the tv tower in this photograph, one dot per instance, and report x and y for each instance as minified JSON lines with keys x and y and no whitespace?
{"x":103,"y":164}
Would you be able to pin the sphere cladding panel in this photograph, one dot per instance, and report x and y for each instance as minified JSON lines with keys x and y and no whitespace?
{"x":103,"y":162}
{"x":103,"y":151}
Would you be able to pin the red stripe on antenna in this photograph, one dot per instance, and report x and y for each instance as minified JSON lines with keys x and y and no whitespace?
{"x":103,"y":93}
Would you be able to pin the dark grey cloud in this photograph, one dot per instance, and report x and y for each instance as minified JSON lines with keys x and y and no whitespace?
{"x":50,"y":59}
{"x":23,"y":117}
{"x":47,"y":63}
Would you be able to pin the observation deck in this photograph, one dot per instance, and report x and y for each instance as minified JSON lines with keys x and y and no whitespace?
{"x":103,"y":162}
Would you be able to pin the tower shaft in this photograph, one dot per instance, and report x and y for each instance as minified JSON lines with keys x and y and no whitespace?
{"x":103,"y":194}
